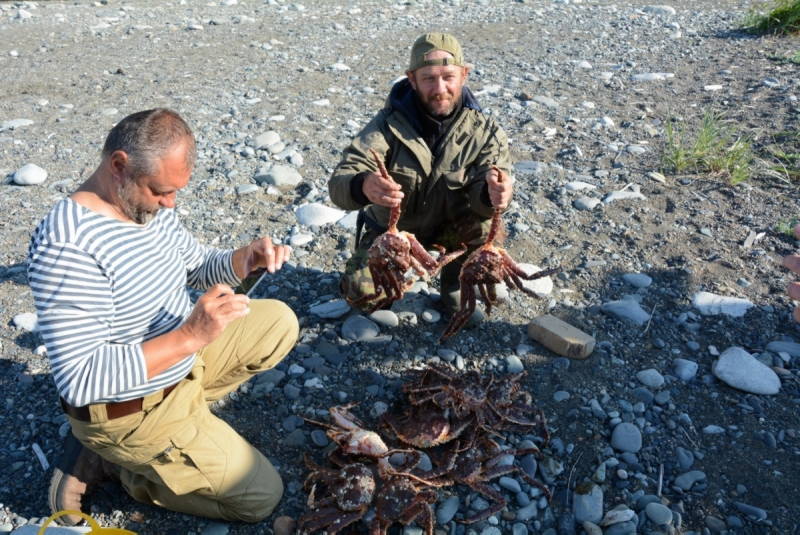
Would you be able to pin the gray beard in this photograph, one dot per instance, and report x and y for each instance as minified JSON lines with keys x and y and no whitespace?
{"x":128,"y":206}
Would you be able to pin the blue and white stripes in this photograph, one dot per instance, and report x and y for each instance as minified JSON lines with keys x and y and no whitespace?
{"x":104,"y":286}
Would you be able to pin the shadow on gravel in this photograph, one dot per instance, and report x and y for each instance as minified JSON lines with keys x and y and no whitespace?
{"x":15,"y":273}
{"x":737,"y":35}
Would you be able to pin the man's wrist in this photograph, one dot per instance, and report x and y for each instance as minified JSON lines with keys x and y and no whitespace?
{"x":357,"y":188}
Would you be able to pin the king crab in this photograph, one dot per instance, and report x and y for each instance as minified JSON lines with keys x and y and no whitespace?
{"x":476,"y":464}
{"x":393,"y":253}
{"x":351,"y":489}
{"x":488,"y":265}
{"x":443,"y":405}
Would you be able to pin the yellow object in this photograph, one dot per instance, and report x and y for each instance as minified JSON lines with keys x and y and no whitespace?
{"x":96,"y":529}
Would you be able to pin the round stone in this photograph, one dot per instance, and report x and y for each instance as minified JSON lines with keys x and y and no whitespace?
{"x":626,"y":437}
{"x":29,"y":175}
{"x":658,"y":514}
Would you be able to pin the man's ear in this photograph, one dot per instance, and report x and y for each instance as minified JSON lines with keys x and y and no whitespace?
{"x":466,"y":72}
{"x":118,"y":162}
{"x":411,"y":79}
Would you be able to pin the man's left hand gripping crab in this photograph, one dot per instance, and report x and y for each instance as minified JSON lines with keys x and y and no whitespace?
{"x":393,"y":253}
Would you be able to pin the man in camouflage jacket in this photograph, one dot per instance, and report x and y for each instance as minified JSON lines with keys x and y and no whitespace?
{"x":440,"y":149}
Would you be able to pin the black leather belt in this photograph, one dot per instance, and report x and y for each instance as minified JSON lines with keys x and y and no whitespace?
{"x":113,"y":410}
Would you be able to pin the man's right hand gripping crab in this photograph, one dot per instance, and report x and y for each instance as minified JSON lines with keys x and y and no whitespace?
{"x":393,"y":253}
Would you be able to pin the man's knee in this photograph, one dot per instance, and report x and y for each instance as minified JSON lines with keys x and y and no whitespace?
{"x":260,"y":499}
{"x":287,"y":320}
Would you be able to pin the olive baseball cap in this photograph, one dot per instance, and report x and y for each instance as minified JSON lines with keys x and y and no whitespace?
{"x":430,"y":42}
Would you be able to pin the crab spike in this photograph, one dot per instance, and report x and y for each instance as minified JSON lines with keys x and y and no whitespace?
{"x":394,"y":211}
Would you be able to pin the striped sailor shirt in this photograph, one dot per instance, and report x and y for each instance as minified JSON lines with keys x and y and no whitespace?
{"x":103,"y":286}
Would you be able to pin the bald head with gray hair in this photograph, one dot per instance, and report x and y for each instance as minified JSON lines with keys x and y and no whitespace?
{"x":146,"y":136}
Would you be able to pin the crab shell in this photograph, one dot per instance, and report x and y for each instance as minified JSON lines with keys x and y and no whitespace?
{"x":425,"y":428}
{"x":355,"y":487}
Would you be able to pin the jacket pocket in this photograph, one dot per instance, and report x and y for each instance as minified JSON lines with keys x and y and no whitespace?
{"x":190,"y":463}
{"x":455,"y":179}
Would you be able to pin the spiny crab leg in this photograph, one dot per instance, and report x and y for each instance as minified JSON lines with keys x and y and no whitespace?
{"x":394,"y":211}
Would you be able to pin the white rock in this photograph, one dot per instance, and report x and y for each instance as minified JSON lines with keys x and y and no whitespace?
{"x":542,"y":287}
{"x":577,"y":185}
{"x":739,"y":369}
{"x":11,"y":124}
{"x":349,"y":221}
{"x":711,"y":304}
{"x":666,"y":11}
{"x":27,"y":321}
{"x":300,"y":239}
{"x":322,"y":102}
{"x":545,"y":101}
{"x":339,"y":67}
{"x":431,"y":316}
{"x":639,"y":280}
{"x":317,"y":214}
{"x":627,"y":308}
{"x":262,"y":141}
{"x":652,"y":76}
{"x":586,"y":203}
{"x":633,"y":193}
{"x":29,"y":175}
{"x":584,"y":65}
{"x":620,"y":513}
{"x":658,"y":177}
{"x":712,"y":87}
{"x":110,"y":111}
{"x":385,"y":317}
{"x":530,"y":166}
{"x":280,"y":176}
{"x":332,"y":309}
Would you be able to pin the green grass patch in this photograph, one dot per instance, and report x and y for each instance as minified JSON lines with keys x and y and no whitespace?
{"x":794,"y":59}
{"x":782,"y":154}
{"x":786,"y":226}
{"x":715,"y":148}
{"x":777,"y":17}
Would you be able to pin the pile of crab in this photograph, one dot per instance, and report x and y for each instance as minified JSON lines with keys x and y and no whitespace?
{"x":454,"y":419}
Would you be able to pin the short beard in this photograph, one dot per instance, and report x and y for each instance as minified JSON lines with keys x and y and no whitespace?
{"x":128,"y":206}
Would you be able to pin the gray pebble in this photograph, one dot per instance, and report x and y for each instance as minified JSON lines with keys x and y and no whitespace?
{"x":658,"y":514}
{"x":756,"y":513}
{"x":519,"y":529}
{"x":319,"y":438}
{"x":215,"y":528}
{"x":291,"y":391}
{"x":359,"y":329}
{"x":514,"y":364}
{"x":527,"y":512}
{"x":510,"y":484}
{"x":447,"y":510}
{"x":686,"y":480}
{"x":626,"y":437}
{"x":587,"y":503}
{"x":560,"y":395}
{"x":685,"y":370}
{"x":295,"y":439}
{"x":651,"y":378}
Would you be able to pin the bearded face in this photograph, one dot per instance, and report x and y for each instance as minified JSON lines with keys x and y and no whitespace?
{"x":438,"y":87}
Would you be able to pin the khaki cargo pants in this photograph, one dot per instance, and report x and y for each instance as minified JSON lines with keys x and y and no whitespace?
{"x":357,"y":280}
{"x":176,"y":453}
